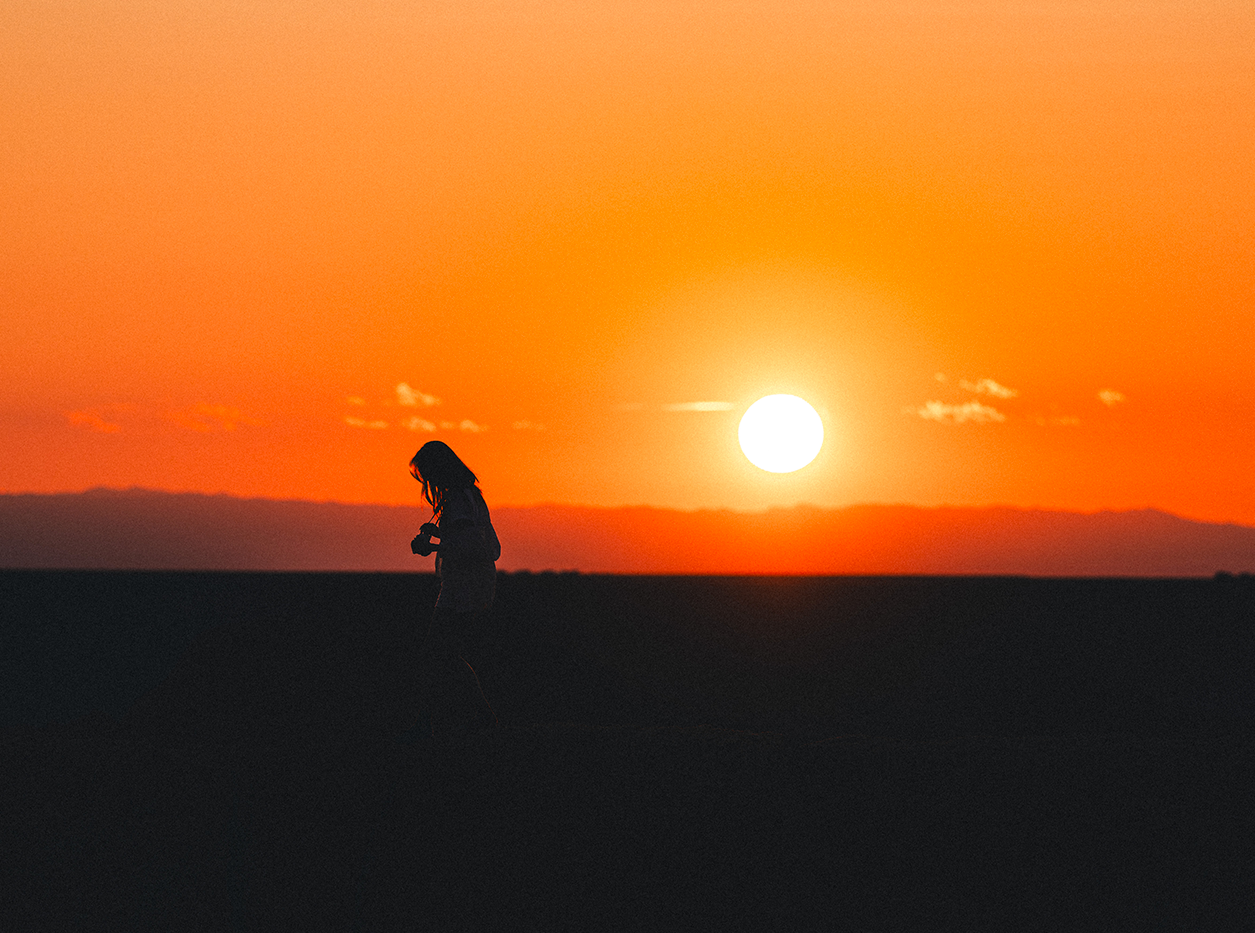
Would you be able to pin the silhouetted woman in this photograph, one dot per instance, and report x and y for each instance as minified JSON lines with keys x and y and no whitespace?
{"x":465,"y":563}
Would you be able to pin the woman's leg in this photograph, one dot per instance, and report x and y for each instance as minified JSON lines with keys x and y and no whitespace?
{"x":454,"y":695}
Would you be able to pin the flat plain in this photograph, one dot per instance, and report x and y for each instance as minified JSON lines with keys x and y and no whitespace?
{"x":236,"y":751}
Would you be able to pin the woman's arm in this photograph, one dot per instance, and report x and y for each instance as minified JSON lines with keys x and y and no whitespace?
{"x":464,"y":540}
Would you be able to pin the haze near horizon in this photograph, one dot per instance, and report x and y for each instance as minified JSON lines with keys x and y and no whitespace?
{"x":1004,"y":250}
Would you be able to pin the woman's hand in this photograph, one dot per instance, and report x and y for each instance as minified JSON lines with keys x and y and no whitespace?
{"x":432,"y":531}
{"x":421,"y":545}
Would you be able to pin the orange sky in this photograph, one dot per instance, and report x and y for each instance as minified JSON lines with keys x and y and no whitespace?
{"x":230,"y":231}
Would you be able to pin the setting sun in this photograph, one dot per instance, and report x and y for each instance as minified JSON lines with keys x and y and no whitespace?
{"x":780,"y":433}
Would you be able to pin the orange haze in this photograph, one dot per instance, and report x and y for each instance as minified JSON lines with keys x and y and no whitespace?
{"x":1007,"y":250}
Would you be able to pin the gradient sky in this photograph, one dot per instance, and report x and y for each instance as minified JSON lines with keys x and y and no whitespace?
{"x":1006,"y":249}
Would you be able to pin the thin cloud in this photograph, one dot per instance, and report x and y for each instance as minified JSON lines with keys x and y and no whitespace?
{"x":420,"y":424}
{"x":356,"y":400}
{"x":363,"y":423}
{"x":699,"y":406}
{"x":412,"y":398}
{"x":1058,"y":421}
{"x":204,"y":418}
{"x":93,"y":421}
{"x":1110,"y":397}
{"x":973,"y":412}
{"x":466,"y":424}
{"x":988,"y":387}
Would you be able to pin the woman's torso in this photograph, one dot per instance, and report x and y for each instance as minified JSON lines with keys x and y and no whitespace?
{"x":469,"y":548}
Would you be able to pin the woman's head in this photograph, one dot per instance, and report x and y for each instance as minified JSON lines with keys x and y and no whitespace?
{"x":439,"y":469}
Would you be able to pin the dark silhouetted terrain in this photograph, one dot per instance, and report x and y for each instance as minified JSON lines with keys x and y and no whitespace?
{"x":136,"y":529}
{"x":220,"y":751}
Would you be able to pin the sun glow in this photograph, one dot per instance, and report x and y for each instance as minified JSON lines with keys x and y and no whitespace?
{"x":780,"y":433}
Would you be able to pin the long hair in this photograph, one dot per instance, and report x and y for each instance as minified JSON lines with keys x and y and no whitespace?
{"x":440,"y":470}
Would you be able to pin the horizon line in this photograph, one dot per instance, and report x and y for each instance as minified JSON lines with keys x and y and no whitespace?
{"x":640,"y":506}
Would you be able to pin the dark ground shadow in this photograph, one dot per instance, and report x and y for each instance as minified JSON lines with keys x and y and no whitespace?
{"x":675,"y":754}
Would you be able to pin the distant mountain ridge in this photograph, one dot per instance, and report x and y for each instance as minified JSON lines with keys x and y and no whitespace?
{"x":142,"y":529}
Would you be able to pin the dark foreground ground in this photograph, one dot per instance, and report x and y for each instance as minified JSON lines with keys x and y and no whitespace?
{"x":220,"y":751}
